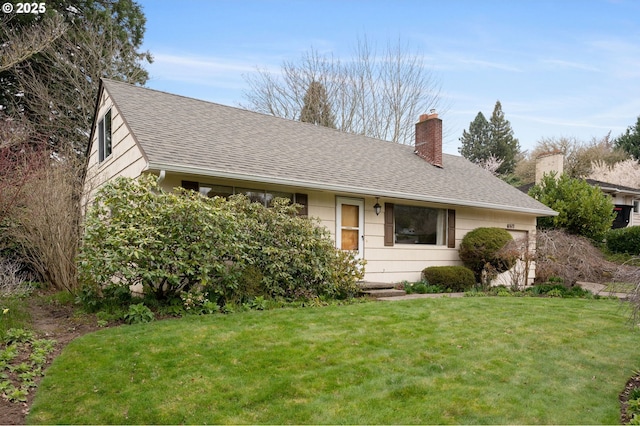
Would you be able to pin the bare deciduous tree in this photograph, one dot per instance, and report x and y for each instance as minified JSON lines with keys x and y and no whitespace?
{"x":61,"y":101}
{"x":20,"y":46}
{"x":570,"y":257}
{"x":21,"y":156}
{"x":375,"y":94}
{"x":46,"y":226}
{"x":579,"y":156}
{"x":625,"y":173}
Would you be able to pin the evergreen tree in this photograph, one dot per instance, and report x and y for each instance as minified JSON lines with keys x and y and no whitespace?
{"x":503,"y":145}
{"x":476,"y":142}
{"x":316,"y":108}
{"x":491,"y":141}
{"x":630,"y":141}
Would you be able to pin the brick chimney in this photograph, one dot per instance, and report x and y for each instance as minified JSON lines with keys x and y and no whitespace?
{"x":429,"y":138}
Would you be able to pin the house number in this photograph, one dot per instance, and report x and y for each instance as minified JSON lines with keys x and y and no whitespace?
{"x":511,"y":225}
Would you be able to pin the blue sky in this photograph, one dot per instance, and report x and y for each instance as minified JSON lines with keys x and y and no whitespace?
{"x":563,"y":68}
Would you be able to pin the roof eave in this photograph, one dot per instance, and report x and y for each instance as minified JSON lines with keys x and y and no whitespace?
{"x":321,"y":186}
{"x":619,"y":191}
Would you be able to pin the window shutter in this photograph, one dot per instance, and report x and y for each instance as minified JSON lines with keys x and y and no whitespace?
{"x":451,"y":228}
{"x":188,"y":184}
{"x":303,"y":200}
{"x":389,"y":237}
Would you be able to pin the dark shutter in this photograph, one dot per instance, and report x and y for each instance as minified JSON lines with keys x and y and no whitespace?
{"x":389,"y":236}
{"x":451,"y":228}
{"x":188,"y":184}
{"x":303,"y":200}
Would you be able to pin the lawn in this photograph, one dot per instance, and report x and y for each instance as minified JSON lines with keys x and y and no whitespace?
{"x":466,"y":360}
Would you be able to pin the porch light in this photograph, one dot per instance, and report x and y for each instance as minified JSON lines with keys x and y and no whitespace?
{"x":377,"y":207}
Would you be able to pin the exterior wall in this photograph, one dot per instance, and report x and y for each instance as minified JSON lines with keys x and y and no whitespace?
{"x":406,"y":262}
{"x":126,"y":158}
{"x":402,"y":261}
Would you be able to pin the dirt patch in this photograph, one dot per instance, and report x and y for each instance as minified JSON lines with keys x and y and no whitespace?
{"x":49,"y":321}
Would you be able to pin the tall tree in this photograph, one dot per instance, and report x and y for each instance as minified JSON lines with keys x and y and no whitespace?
{"x":374,"y":94}
{"x":55,"y":87}
{"x":630,"y":141}
{"x":491,"y":141}
{"x":476,"y":143}
{"x":316,"y":108}
{"x":503,"y":144}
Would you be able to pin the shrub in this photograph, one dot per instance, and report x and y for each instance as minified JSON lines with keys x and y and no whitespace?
{"x":556,"y":288}
{"x":138,"y":314}
{"x":480,"y":250}
{"x":454,"y":278}
{"x":624,"y":240}
{"x":583,"y":209}
{"x":571,"y":258}
{"x":234,"y":250}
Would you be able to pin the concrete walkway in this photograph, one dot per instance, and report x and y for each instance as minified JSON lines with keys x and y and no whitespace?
{"x":598,"y":289}
{"x":421,"y":296}
{"x":594,"y":288}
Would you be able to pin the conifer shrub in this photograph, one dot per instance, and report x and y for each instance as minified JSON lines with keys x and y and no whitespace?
{"x":454,"y":278}
{"x":624,"y":240}
{"x":480,"y":250}
{"x":234,"y":250}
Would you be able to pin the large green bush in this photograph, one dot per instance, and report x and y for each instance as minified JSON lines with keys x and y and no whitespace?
{"x":136,"y":233}
{"x":624,"y":240}
{"x":583,"y":209}
{"x":480,"y":250}
{"x":454,"y":278}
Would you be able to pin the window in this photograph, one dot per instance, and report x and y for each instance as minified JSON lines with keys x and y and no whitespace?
{"x":104,"y":137}
{"x":418,"y":225}
{"x":264,"y":197}
{"x":216,"y":191}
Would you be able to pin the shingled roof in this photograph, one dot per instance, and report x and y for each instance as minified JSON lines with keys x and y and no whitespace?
{"x":185,"y":135}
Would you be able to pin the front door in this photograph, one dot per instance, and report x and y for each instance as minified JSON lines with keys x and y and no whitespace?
{"x":350,"y":225}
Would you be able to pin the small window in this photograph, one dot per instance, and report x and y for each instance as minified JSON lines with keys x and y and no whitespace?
{"x":104,"y":137}
{"x":420,"y":225}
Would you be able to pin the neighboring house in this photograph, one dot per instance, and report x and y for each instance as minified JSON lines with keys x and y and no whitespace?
{"x":402,"y":208}
{"x":626,"y":200}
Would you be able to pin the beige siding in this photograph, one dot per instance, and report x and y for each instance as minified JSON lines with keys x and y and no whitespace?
{"x":405,"y":262}
{"x":126,"y":158}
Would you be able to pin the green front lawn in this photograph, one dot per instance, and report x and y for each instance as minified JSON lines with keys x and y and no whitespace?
{"x":465,"y":360}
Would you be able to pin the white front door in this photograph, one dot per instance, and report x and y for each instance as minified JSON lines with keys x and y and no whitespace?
{"x":350,"y":225}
